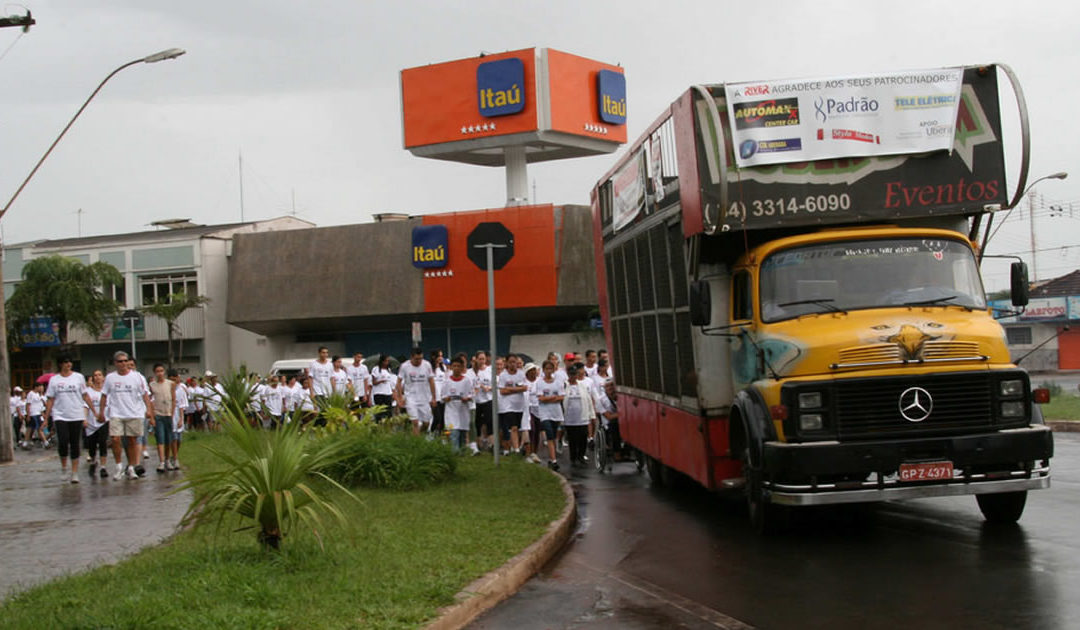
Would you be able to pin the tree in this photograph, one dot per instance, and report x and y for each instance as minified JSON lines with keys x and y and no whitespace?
{"x":67,"y":291}
{"x":170,"y":309}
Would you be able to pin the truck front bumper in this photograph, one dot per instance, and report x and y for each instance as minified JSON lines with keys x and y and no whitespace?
{"x":818,"y":473}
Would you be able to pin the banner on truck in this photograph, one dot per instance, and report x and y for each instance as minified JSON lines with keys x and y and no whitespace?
{"x":802,"y":120}
{"x":628,"y":192}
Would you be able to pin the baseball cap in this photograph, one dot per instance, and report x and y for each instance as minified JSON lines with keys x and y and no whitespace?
{"x":209,"y":374}
{"x":568,"y":356}
{"x":530,"y":366}
{"x":18,"y":389}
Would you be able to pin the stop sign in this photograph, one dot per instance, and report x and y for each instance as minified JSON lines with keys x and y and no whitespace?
{"x":495,"y":233}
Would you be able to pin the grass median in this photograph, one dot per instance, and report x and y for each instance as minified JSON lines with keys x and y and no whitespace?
{"x":400,"y":557}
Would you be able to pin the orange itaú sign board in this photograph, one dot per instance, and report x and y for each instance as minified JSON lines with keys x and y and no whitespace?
{"x":533,"y":97}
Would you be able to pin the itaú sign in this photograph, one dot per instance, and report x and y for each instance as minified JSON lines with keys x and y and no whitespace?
{"x":429,"y":246}
{"x":500,"y":87}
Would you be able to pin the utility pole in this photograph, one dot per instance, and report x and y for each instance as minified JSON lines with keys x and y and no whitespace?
{"x":1031,"y":223}
{"x":24,"y":21}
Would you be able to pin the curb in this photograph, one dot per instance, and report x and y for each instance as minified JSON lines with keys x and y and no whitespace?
{"x":487,"y":591}
{"x":1064,"y":426}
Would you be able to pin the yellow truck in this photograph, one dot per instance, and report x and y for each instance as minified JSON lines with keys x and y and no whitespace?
{"x":790,"y":288}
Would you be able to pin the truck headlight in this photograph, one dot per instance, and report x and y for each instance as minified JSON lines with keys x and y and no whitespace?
{"x":810,"y":421}
{"x":1012,"y":409}
{"x":1012,"y":388}
{"x":810,"y":400}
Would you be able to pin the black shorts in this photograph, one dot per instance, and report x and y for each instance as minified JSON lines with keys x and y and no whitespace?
{"x":507,"y":421}
{"x":483,"y":417}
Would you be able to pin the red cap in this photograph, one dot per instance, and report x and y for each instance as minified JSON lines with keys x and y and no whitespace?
{"x":568,"y":356}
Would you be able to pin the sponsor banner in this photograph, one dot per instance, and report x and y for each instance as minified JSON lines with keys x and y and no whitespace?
{"x":656,"y":168}
{"x":628,"y":192}
{"x":836,"y":117}
{"x":40,"y":332}
{"x":1053,"y":309}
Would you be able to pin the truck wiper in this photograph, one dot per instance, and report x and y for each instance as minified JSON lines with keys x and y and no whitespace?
{"x":940,"y":300}
{"x":823,"y":302}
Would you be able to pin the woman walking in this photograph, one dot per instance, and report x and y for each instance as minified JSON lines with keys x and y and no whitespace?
{"x":64,"y":400}
{"x":578,"y":407}
{"x":97,"y":426}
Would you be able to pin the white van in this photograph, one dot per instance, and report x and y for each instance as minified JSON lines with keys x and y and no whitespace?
{"x":290,"y":367}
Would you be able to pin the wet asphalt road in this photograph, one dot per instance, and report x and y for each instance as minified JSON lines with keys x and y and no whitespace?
{"x":49,"y":527}
{"x":648,"y":557}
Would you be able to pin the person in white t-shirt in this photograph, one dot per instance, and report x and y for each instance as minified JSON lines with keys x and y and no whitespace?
{"x":272,"y":399}
{"x":126,"y":396}
{"x":183,"y":398}
{"x":602,"y":357}
{"x":512,"y":387}
{"x":304,"y":400}
{"x":213,"y":398}
{"x":439,"y":368}
{"x":66,"y":402}
{"x":35,"y":409}
{"x":530,"y":425}
{"x":417,"y":387}
{"x":549,"y":411}
{"x":590,"y":363}
{"x":578,"y":412}
{"x":96,"y":435}
{"x":360,"y":380}
{"x":481,"y":374}
{"x":457,"y":393}
{"x":320,"y":371}
{"x":339,"y":378}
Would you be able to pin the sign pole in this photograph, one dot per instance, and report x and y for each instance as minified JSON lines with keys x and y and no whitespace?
{"x":131,"y":328}
{"x":490,"y":247}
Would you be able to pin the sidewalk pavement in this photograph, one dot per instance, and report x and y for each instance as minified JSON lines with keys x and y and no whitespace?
{"x":50,"y":528}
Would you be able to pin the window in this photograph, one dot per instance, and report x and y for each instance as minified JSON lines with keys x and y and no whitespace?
{"x":118,"y":292}
{"x":1018,"y":335}
{"x":158,"y":288}
{"x":741,"y":303}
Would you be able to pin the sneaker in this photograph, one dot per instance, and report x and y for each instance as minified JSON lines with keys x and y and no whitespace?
{"x":64,"y":474}
{"x":131,"y":474}
{"x":104,"y":474}
{"x":534,"y":458}
{"x":175,"y":464}
{"x":119,"y":472}
{"x":161,"y":467}
{"x":146,"y":454}
{"x":558,"y":448}
{"x":93,"y":467}
{"x":74,"y":478}
{"x":89,"y":459}
{"x":140,"y":471}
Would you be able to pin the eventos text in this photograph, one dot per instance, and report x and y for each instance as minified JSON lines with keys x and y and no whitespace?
{"x":897,"y":195}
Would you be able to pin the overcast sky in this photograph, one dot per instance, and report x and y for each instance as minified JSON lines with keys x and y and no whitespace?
{"x":308,"y":93}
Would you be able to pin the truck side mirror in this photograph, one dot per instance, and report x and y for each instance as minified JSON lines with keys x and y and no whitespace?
{"x":1018,"y":277}
{"x":700,"y":303}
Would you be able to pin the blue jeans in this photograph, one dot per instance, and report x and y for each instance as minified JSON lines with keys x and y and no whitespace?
{"x":459,"y":438}
{"x":163,"y":430}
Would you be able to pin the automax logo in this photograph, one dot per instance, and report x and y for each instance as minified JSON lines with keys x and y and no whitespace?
{"x":780,"y":112}
{"x":500,"y":87}
{"x":611,"y":95}
{"x":429,"y":246}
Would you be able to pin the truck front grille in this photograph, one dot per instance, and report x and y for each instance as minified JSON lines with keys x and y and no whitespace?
{"x":962,"y":403}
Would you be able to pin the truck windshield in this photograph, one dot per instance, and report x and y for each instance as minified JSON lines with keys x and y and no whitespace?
{"x":853,"y":275}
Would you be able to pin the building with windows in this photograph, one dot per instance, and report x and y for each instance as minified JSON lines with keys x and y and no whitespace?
{"x":1045,"y":333}
{"x":177,"y":257}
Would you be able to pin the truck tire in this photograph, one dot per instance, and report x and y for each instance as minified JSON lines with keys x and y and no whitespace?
{"x":656,"y":470}
{"x":1002,"y":507}
{"x":766,"y":518}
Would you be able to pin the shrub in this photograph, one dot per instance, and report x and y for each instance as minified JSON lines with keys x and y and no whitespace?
{"x":399,"y":461}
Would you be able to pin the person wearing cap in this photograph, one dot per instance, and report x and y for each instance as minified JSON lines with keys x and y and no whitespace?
{"x":64,"y":400}
{"x":213,"y":395}
{"x":126,"y":396}
{"x":530,"y":423}
{"x":16,"y":415}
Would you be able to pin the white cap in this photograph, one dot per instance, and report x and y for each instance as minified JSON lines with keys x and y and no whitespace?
{"x":530,"y":366}
{"x":18,"y":389}
{"x":209,"y":374}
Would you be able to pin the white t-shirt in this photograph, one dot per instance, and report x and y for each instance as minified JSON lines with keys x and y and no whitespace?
{"x":382,"y":382}
{"x":440,"y":378}
{"x":576,"y":405}
{"x":182,"y":400}
{"x":457,"y":410}
{"x":92,"y":423}
{"x":483,"y":384}
{"x":124,"y":395}
{"x":359,"y":376}
{"x":303,"y":400}
{"x":13,"y":404}
{"x":510,"y":403}
{"x":339,"y":379}
{"x":35,"y":404}
{"x":21,"y":406}
{"x":549,"y":410}
{"x":320,"y":376}
{"x":274,"y":399}
{"x":66,"y":393}
{"x":213,"y":395}
{"x":604,"y":405}
{"x":415,"y":379}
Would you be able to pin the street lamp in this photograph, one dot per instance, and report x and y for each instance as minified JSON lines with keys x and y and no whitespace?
{"x":7,"y":451}
{"x":1016,"y":202}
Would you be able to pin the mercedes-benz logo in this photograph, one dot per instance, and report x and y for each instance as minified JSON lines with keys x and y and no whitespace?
{"x":915,"y":404}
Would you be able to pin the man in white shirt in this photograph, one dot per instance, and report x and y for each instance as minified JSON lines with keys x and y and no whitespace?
{"x":360,"y":379}
{"x":481,"y":374}
{"x":417,"y":384}
{"x":321,"y":370}
{"x":126,"y":396}
{"x":213,"y":397}
{"x":512,"y":387}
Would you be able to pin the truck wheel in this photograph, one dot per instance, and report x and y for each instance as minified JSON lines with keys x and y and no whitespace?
{"x":765,"y":517}
{"x":656,"y":470}
{"x":1002,"y":507}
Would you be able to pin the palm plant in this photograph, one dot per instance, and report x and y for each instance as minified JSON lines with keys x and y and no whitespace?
{"x":170,"y":309}
{"x":269,"y":482}
{"x":238,"y":392}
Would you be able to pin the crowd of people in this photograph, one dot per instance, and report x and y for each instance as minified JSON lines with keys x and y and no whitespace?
{"x":541,"y":408}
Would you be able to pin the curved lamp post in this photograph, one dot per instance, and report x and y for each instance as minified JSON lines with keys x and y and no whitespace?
{"x":989,"y":234}
{"x":7,"y":451}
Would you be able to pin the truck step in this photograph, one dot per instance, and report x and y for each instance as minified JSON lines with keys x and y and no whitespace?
{"x":735,"y":483}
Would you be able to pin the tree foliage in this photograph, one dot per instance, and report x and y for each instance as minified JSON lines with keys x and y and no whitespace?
{"x":170,"y":309}
{"x":66,"y":290}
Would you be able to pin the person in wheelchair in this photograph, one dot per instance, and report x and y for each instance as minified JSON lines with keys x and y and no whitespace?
{"x":609,"y":412}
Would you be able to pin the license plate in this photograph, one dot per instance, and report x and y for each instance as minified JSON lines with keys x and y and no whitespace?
{"x":926,"y":471}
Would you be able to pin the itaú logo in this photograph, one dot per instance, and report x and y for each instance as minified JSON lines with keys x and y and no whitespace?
{"x":916,"y":404}
{"x":500,"y":87}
